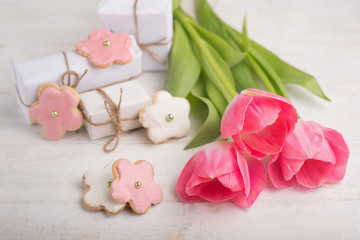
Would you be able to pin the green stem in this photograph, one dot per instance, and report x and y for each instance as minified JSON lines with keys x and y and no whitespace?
{"x":194,"y":35}
{"x":261,"y":74}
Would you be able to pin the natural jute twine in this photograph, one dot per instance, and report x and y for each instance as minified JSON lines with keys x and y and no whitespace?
{"x":77,"y":81}
{"x":112,"y":109}
{"x":67,"y":74}
{"x":145,"y":46}
{"x":114,"y":113}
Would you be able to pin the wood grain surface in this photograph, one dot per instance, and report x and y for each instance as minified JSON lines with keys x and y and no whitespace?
{"x":40,"y":181}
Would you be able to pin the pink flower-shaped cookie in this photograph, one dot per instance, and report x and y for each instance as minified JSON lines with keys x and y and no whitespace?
{"x":56,"y":110}
{"x":134,"y":183}
{"x":103,"y":48}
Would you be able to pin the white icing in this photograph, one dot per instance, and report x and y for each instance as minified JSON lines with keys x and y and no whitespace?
{"x":99,"y":194}
{"x":154,"y":117}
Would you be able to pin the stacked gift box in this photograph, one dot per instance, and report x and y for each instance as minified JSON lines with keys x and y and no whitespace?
{"x":149,"y":23}
{"x":153,"y":28}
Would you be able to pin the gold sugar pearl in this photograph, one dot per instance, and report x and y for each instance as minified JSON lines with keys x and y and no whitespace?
{"x":107,"y":43}
{"x":170,"y":117}
{"x":138,"y":185}
{"x":108,"y":184}
{"x":54,"y":114}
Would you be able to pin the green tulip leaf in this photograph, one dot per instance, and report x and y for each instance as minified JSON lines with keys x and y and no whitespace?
{"x":208,"y":19}
{"x":289,"y":74}
{"x":231,"y":56}
{"x":260,"y":66}
{"x":206,"y":112}
{"x":243,"y":77}
{"x":271,"y":73}
{"x":212,"y":63}
{"x":216,"y":97}
{"x":267,"y":66}
{"x":216,"y":69}
{"x":184,"y":68}
{"x":246,"y":41}
{"x":176,"y":4}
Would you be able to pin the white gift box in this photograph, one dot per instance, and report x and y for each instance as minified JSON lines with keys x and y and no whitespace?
{"x":155,"y":21}
{"x":31,"y":74}
{"x":134,"y":99}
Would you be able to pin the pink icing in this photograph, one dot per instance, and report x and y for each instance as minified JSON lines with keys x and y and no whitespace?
{"x":104,"y":56}
{"x":125,"y":191}
{"x":64,"y":102}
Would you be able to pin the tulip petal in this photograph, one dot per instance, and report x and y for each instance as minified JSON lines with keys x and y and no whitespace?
{"x":252,"y":91}
{"x":215,"y":159}
{"x":289,"y":167}
{"x":233,"y":118}
{"x":194,"y":181}
{"x":244,"y":170}
{"x":241,"y":146}
{"x":289,"y":113}
{"x":270,"y":140}
{"x":216,"y":173}
{"x":258,"y":181}
{"x":213,"y":191}
{"x":260,"y":113}
{"x":315,"y":172}
{"x":325,"y":153}
{"x":233,"y":181}
{"x":200,"y":174}
{"x":304,"y":142}
{"x":259,"y":121}
{"x":276,"y":175}
{"x":341,"y":152}
{"x":182,"y":182}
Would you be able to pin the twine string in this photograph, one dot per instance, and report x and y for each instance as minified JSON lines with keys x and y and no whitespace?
{"x":68,"y":74}
{"x":112,"y":109}
{"x":114,"y":83}
{"x":21,"y":100}
{"x":114,"y":113}
{"x":145,"y":46}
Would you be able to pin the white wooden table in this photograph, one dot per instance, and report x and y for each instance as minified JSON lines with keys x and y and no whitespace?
{"x":40,"y":181}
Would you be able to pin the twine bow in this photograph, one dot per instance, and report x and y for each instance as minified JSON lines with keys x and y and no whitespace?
{"x":69,"y":72}
{"x":114,"y":113}
{"x":145,"y":46}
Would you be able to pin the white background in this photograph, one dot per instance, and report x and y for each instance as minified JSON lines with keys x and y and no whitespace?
{"x":40,"y":181}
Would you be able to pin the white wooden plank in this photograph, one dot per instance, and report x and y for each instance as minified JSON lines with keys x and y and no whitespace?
{"x":40,"y":181}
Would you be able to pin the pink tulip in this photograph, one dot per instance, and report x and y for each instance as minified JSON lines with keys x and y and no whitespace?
{"x":219,"y":173}
{"x":312,"y":155}
{"x":259,"y":122}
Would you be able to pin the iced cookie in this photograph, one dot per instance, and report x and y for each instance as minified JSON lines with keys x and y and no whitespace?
{"x":167,"y":117}
{"x":97,"y":196}
{"x":103,"y":48}
{"x":56,"y":110}
{"x":134,"y":183}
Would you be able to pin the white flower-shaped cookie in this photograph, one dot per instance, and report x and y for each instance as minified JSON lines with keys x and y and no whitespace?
{"x":167,"y":117}
{"x":98,"y":196}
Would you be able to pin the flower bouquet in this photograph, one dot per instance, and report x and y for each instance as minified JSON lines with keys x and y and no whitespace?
{"x":237,"y":88}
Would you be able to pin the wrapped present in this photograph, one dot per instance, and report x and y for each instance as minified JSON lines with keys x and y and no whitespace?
{"x":112,"y":110}
{"x":150,"y":21}
{"x":31,"y":74}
